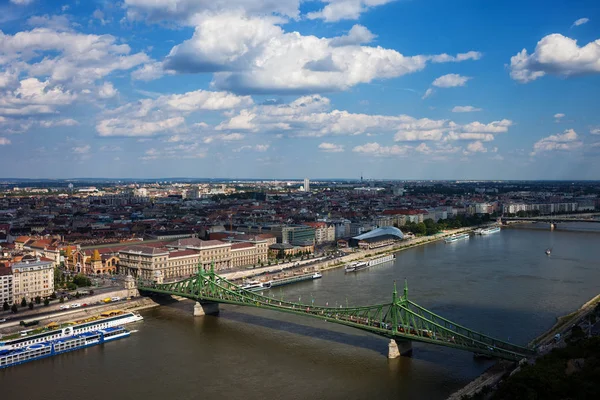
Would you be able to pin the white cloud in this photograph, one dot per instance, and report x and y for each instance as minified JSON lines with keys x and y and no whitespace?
{"x":428,"y":93}
{"x":376,"y":149}
{"x":450,"y":80}
{"x":476,"y":147}
{"x":166,"y":113}
{"x":311,"y":116}
{"x":337,"y":10}
{"x":82,"y":149}
{"x":558,"y":55}
{"x":419,"y":135}
{"x":136,"y":127}
{"x":258,"y":56}
{"x":187,"y":11}
{"x":493,"y":127}
{"x":22,"y":2}
{"x":67,"y":57}
{"x":485,"y":137}
{"x":465,"y":109}
{"x":595,"y":131}
{"x":107,"y":91}
{"x":471,"y":55}
{"x":55,"y":22}
{"x":259,"y":148}
{"x":559,"y":115}
{"x":566,"y":141}
{"x":60,"y":122}
{"x":358,"y":34}
{"x":331,"y":147}
{"x":4,"y":141}
{"x":581,"y":21}
{"x":34,"y":97}
{"x":224,"y":138}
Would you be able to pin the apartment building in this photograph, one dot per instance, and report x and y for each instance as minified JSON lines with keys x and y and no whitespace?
{"x":32,"y":278}
{"x":6,"y":285}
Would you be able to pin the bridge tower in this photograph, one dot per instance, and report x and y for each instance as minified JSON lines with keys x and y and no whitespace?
{"x":396,"y":347}
{"x":209,"y":279}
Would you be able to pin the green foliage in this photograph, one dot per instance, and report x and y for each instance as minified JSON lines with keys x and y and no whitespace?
{"x":46,"y":302}
{"x":71,"y":286}
{"x":23,"y":302}
{"x":548,"y":378}
{"x":82,"y":280}
{"x":576,"y":334}
{"x":53,"y":295}
{"x":14,"y":309}
{"x":5,"y":306}
{"x":61,"y":300}
{"x":38,"y":300}
{"x":31,"y":305}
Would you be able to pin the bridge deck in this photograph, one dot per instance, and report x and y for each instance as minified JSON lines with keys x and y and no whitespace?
{"x":401,"y":319}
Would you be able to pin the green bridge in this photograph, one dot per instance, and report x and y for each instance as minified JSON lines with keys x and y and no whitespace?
{"x":401,"y":320}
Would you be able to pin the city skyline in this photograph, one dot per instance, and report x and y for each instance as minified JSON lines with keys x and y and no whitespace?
{"x":336,"y":89}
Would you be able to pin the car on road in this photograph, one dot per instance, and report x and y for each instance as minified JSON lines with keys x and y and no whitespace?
{"x":75,"y":305}
{"x":65,"y":307}
{"x":2,"y":320}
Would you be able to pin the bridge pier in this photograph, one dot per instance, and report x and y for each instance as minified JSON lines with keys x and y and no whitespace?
{"x":397,"y":348}
{"x":201,"y":309}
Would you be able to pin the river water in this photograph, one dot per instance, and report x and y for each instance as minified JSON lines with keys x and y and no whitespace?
{"x":502,"y":285}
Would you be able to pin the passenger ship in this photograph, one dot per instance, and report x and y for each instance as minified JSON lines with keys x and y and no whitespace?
{"x":487,"y":231}
{"x":121,"y":318}
{"x":44,"y":349}
{"x":357,"y":266}
{"x":457,"y":237}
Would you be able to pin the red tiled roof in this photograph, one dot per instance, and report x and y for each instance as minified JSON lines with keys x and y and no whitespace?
{"x":241,"y":245}
{"x":182,"y":253}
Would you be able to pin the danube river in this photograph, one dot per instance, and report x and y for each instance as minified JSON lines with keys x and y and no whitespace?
{"x":502,"y":285}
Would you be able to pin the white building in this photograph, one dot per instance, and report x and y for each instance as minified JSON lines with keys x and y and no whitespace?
{"x":6,"y":285}
{"x":306,"y":185}
{"x":31,"y":279}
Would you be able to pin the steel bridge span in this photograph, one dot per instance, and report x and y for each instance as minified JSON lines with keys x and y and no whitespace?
{"x":401,"y":320}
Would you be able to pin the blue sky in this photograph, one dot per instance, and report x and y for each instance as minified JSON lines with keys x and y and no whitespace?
{"x":404,"y":89}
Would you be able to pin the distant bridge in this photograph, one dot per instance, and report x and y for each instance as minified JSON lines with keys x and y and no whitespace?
{"x":401,"y":320}
{"x":592,"y":217}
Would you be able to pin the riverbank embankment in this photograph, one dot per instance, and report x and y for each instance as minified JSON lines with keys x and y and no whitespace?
{"x":324,"y":263}
{"x":544,"y":343}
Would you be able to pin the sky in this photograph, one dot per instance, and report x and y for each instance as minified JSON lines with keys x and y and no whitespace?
{"x":386,"y":89}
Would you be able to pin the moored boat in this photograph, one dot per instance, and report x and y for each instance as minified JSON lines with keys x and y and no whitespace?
{"x":456,"y":237}
{"x":43,"y":349}
{"x":490,"y":230}
{"x":119,"y":318}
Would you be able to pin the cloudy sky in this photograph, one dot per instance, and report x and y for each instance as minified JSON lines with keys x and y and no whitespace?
{"x":404,"y":89}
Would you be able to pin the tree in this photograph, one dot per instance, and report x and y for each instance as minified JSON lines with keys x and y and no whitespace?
{"x":82,"y":280}
{"x":38,"y":300}
{"x":14,"y":308}
{"x":5,"y":306}
{"x":31,"y":305}
{"x":62,"y":299}
{"x":91,"y":292}
{"x":71,"y":286}
{"x":46,"y":302}
{"x":23,"y":302}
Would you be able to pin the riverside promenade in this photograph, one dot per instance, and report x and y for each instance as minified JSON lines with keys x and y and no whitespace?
{"x":325,"y":263}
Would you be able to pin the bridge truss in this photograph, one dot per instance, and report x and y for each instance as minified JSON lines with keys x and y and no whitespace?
{"x":402,"y":319}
